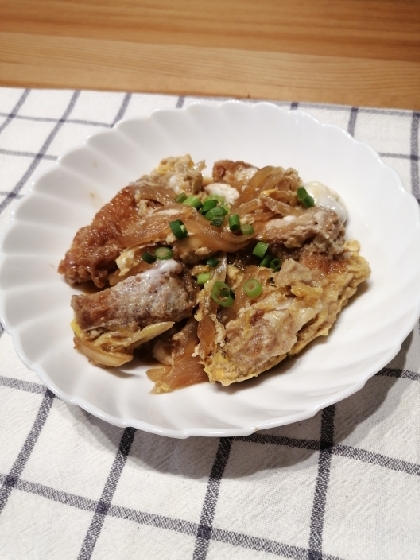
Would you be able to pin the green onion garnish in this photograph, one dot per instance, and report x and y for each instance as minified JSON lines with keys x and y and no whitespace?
{"x":217,"y":197}
{"x":275,"y":265}
{"x":212,"y":261}
{"x":181,"y":197}
{"x":217,"y":211}
{"x":178,"y":229}
{"x":247,"y":229}
{"x":234,"y":223}
{"x":208,"y":204}
{"x":304,"y":197}
{"x":252,"y":288}
{"x":193,"y":201}
{"x":163,"y":253}
{"x":260,"y":249}
{"x":266,"y":261}
{"x":222,"y":294}
{"x":203,"y":277}
{"x":149,"y":258}
{"x":217,"y":221}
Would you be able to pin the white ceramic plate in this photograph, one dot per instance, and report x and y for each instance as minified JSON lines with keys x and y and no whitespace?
{"x":35,"y":301}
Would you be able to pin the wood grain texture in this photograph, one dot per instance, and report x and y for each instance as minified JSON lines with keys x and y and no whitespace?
{"x":353,"y":52}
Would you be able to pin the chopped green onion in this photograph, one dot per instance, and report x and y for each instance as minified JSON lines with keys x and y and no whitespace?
{"x":217,"y":221}
{"x":260,"y":249}
{"x":193,"y":201}
{"x":149,"y":258}
{"x":266,"y":261}
{"x":234,"y":223}
{"x":247,"y":229}
{"x":252,"y":288}
{"x":222,"y":294}
{"x":178,"y":229}
{"x":163,"y":253}
{"x":217,"y":211}
{"x":208,"y":204}
{"x":181,"y":197}
{"x":275,"y":265}
{"x":304,"y":197}
{"x":217,"y":197}
{"x":203,"y":277}
{"x":212,"y":261}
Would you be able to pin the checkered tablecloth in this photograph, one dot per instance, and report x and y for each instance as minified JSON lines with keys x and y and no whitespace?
{"x":344,"y":484}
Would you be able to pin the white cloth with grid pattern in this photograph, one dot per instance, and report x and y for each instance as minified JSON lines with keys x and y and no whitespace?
{"x":344,"y":484}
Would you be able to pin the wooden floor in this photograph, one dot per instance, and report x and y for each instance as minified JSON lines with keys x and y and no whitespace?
{"x":356,"y":52}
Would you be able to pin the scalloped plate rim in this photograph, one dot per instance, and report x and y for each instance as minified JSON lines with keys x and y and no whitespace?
{"x":192,"y":431}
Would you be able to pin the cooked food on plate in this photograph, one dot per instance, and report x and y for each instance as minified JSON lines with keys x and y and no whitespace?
{"x":218,"y":278}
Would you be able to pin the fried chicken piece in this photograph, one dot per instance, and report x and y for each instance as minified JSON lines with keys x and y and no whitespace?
{"x":114,"y":320}
{"x":316,"y":230}
{"x":95,"y":248}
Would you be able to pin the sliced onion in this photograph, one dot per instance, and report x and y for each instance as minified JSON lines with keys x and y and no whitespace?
{"x":100,"y":357}
{"x":125,"y":339}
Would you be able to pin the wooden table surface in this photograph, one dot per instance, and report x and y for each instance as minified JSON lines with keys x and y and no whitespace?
{"x":356,"y":52}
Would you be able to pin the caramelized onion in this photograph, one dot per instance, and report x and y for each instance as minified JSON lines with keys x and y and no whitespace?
{"x":212,"y":237}
{"x":188,"y":372}
{"x":154,"y":228}
{"x":186,"y":369}
{"x":279,"y":207}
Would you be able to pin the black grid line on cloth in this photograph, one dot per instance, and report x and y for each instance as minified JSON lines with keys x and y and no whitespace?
{"x":204,"y":531}
{"x":28,"y":386}
{"x":266,"y":545}
{"x":259,"y":544}
{"x":414,"y":146}
{"x":338,"y":450}
{"x":104,"y":503}
{"x":123,"y":109}
{"x":38,"y":157}
{"x":400,"y":373}
{"x":268,"y":439}
{"x":321,"y":485}
{"x":25,"y":154}
{"x":180,"y":102}
{"x":376,"y":459}
{"x":72,"y":500}
{"x":399,"y":156}
{"x":15,"y":110}
{"x":12,"y":478}
{"x":5,"y":193}
{"x":345,"y":108}
{"x":351,"y":125}
{"x":54,"y":120}
{"x":154,"y":520}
